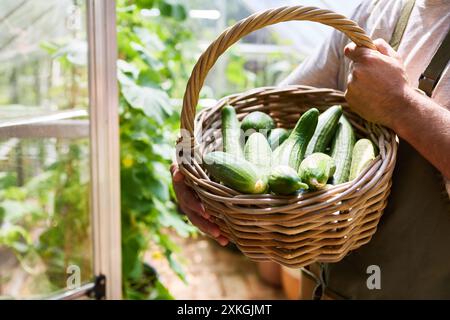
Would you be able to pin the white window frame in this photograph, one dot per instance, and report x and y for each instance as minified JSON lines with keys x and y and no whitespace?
{"x":104,"y":142}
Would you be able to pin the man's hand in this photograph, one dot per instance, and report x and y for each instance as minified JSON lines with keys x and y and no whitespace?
{"x":378,"y":83}
{"x":193,"y":208}
{"x":378,"y":90}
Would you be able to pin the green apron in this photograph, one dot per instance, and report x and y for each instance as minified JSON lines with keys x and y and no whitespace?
{"x":412,"y":244}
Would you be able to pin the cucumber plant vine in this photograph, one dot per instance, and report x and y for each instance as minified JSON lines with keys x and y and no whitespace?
{"x":150,"y":69}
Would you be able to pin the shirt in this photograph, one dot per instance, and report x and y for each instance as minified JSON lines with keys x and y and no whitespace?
{"x":427,"y":26}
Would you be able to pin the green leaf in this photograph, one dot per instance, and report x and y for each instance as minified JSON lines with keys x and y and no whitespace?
{"x":16,"y":238}
{"x":171,"y":218}
{"x":75,"y":52}
{"x":165,"y":8}
{"x":145,"y":4}
{"x":149,"y":57}
{"x":162,"y":172}
{"x":156,"y":189}
{"x":149,"y":39}
{"x":130,"y":189}
{"x":179,"y":12}
{"x":15,"y":193}
{"x":160,"y":292}
{"x":7,"y":179}
{"x":13,"y":210}
{"x":132,"y":246}
{"x":234,"y":71}
{"x":172,"y":9}
{"x":176,"y":267}
{"x":163,"y":150}
{"x":48,"y":46}
{"x":153,"y":102}
{"x":128,"y":68}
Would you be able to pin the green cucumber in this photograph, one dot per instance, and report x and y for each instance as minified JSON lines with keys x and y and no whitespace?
{"x":257,"y":151}
{"x":277,"y":136}
{"x":284,"y":180}
{"x":326,"y":127}
{"x":341,"y":150}
{"x":257,"y":121}
{"x":316,"y":169}
{"x":231,"y":132}
{"x":235,"y":172}
{"x":292,"y":150}
{"x":363,"y":154}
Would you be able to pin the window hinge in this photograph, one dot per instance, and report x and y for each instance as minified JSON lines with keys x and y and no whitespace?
{"x":98,"y":292}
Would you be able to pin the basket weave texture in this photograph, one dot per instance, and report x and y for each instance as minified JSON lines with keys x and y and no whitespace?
{"x":295,"y":231}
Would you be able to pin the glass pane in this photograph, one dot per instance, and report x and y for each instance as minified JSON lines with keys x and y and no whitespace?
{"x":45,"y":234}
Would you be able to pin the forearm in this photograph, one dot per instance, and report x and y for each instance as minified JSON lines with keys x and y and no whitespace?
{"x":426,"y":126}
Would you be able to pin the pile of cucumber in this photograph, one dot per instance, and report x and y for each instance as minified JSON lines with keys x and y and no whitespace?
{"x":319,"y":151}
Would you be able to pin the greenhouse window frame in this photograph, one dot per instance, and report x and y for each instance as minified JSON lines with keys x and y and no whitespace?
{"x":105,"y":155}
{"x":104,"y":138}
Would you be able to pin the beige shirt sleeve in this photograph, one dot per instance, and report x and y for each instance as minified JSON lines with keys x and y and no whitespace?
{"x":322,"y":68}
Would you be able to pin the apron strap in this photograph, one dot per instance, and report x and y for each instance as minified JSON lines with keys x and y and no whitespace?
{"x":402,"y":22}
{"x":432,"y":74}
{"x":318,"y":288}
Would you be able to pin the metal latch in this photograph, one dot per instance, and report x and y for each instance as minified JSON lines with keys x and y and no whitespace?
{"x":427,"y":84}
{"x":98,"y":292}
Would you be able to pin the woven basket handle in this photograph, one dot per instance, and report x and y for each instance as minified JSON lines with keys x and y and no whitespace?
{"x":253,"y":23}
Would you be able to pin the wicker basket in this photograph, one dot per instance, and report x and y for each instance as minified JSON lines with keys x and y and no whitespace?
{"x":295,"y":231}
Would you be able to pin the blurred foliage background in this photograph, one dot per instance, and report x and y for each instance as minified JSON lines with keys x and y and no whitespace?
{"x":159,"y":41}
{"x":151,"y":67}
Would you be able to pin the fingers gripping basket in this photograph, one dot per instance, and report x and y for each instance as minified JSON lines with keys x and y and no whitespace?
{"x":297,"y":230}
